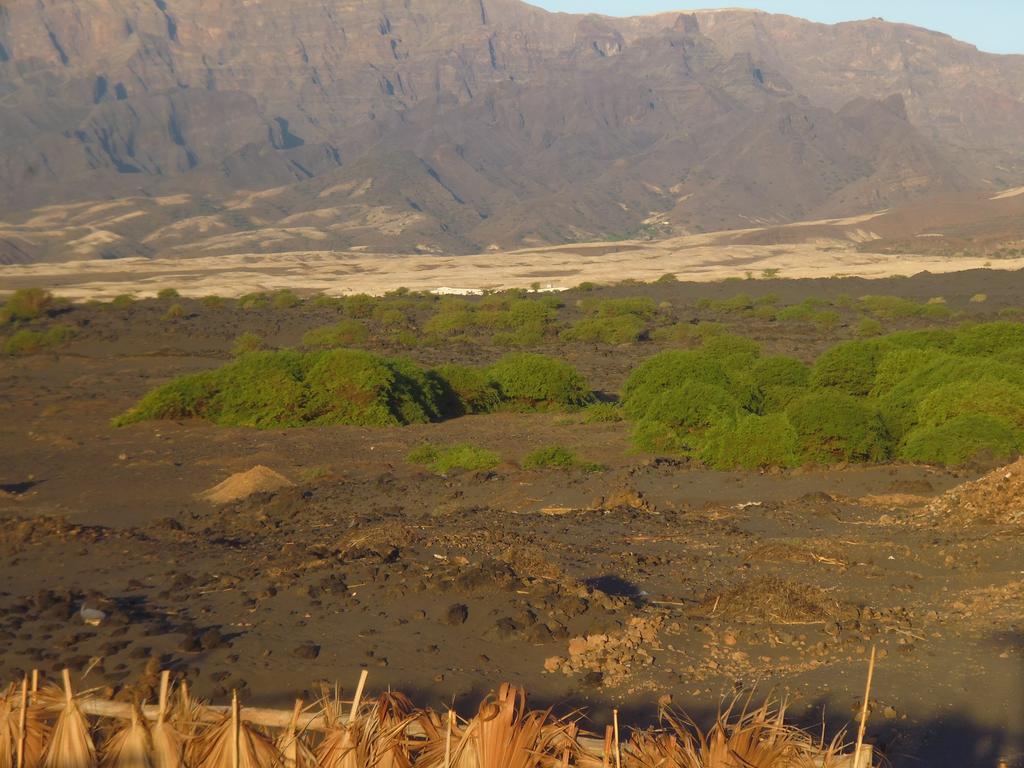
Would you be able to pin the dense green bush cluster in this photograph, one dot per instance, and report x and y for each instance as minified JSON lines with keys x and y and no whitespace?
{"x":935,"y":396}
{"x":512,"y":321}
{"x":345,"y":333}
{"x":344,"y":386}
{"x":612,"y":321}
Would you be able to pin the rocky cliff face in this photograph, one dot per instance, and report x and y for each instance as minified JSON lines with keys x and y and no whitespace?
{"x":456,"y":124}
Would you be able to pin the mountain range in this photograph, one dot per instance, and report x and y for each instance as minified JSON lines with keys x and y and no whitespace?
{"x":154,"y":127}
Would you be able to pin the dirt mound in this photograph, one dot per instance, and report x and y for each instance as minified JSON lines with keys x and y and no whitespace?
{"x":998,"y":497}
{"x":768,"y":599}
{"x":241,"y":485}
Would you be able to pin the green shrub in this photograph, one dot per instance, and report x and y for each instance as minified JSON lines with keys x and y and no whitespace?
{"x":668,"y":370}
{"x":622,"y":329}
{"x":390,"y":316}
{"x":683,"y":416}
{"x":777,"y":397}
{"x":640,"y":306}
{"x":752,"y":442}
{"x":26,"y":304}
{"x":964,"y":438}
{"x":988,"y":339}
{"x":868,"y":327}
{"x":212,"y":302}
{"x":733,"y":352}
{"x":452,"y":320}
{"x":555,"y":457}
{"x":538,"y":381}
{"x":461,"y":456}
{"x":471,"y":390}
{"x":906,"y":376}
{"x":360,"y":306}
{"x":322,"y":301}
{"x":833,"y":426}
{"x":688,"y":331}
{"x":346,"y":333}
{"x":602,"y":413}
{"x":780,"y":372}
{"x":168,"y":293}
{"x":692,"y":406}
{"x":174,"y":312}
{"x":248,"y":342}
{"x":738,"y":304}
{"x":895,"y":308}
{"x":849,"y":367}
{"x":26,"y":342}
{"x":668,"y":277}
{"x":1001,"y":399}
{"x":285,"y":300}
{"x":291,"y":389}
{"x":122,"y":301}
{"x":254,"y":301}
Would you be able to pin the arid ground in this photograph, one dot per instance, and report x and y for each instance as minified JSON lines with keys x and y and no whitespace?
{"x":593,"y":588}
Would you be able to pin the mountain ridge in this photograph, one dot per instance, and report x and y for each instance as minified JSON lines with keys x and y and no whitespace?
{"x":470,"y":124}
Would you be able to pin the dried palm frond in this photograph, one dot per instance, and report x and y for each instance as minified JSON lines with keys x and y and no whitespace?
{"x":755,"y":739}
{"x":187,"y":718}
{"x":383,"y":730}
{"x":70,"y":745}
{"x":23,"y":732}
{"x":168,"y":743}
{"x":233,"y":744}
{"x":505,"y":735}
{"x":340,"y":745}
{"x":10,"y":727}
{"x":295,"y":753}
{"x":129,"y":747}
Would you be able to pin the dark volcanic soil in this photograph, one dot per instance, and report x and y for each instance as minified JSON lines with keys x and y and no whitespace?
{"x":600,"y":589}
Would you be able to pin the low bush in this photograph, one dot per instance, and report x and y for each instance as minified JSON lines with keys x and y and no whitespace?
{"x":780,"y":372}
{"x":752,"y":442}
{"x":832,"y":426}
{"x":168,"y":293}
{"x":291,"y":389}
{"x":27,"y":304}
{"x":668,"y":370}
{"x":174,"y":312}
{"x":536,"y":381}
{"x":556,"y":457}
{"x":346,"y":333}
{"x":848,"y":368}
{"x":254,"y":301}
{"x":741,"y":303}
{"x":868,"y":327}
{"x":964,"y":438}
{"x":602,"y":413}
{"x":26,"y":342}
{"x":621,"y":329}
{"x":213,"y":302}
{"x":464,"y":456}
{"x":248,"y":342}
{"x":639,"y":306}
{"x":285,"y":300}
{"x":678,"y":419}
{"x":470,"y":390}
{"x":122,"y":301}
{"x":896,"y":308}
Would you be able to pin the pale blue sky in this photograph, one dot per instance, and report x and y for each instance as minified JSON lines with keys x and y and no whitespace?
{"x":992,"y":25}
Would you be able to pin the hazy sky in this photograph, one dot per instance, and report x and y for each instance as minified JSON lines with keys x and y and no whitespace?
{"x":992,"y":25}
